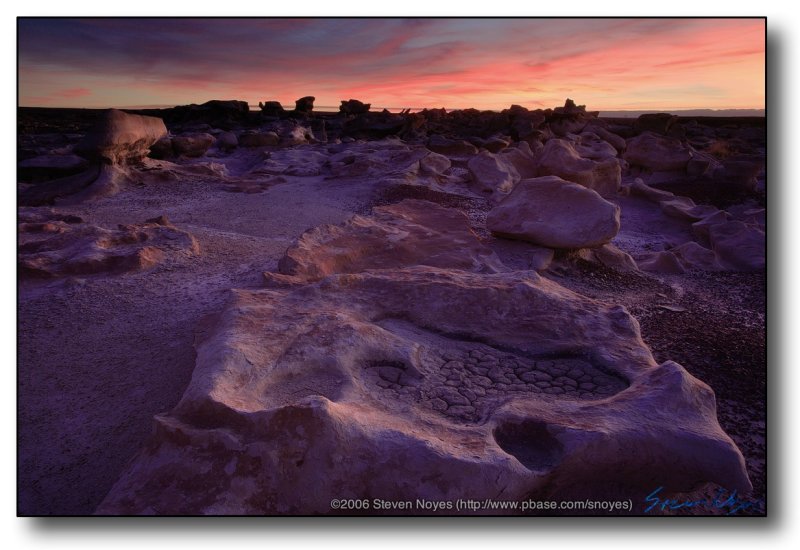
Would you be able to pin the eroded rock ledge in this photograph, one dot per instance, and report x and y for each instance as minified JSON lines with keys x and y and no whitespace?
{"x":420,"y":375}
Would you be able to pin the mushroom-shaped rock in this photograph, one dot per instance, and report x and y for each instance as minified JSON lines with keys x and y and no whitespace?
{"x":120,"y":138}
{"x":555,"y":213}
{"x":304,"y":104}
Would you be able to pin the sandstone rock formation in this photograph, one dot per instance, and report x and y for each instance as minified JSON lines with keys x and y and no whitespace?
{"x":739,"y":245}
{"x":271,"y":108}
{"x":353,"y":107}
{"x":685,"y":208}
{"x":659,"y":123}
{"x":412,"y":232}
{"x":656,"y":152}
{"x":258,"y":139}
{"x":227,"y":141}
{"x":434,"y":164}
{"x":555,"y":213}
{"x":304,"y":105}
{"x":121,"y":138}
{"x":591,"y":146}
{"x":293,"y":161}
{"x":389,"y":157}
{"x":53,"y":245}
{"x":522,"y":158}
{"x":490,"y":174}
{"x":662,"y":262}
{"x":356,"y":376}
{"x":192,"y":145}
{"x":560,"y":158}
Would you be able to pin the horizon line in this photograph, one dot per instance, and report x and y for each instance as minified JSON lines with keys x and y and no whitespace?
{"x":331,"y":108}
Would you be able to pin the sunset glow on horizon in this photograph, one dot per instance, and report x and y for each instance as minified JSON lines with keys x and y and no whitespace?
{"x":606,"y":64}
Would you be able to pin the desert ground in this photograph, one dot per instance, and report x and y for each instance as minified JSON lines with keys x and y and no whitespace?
{"x":233,"y":311}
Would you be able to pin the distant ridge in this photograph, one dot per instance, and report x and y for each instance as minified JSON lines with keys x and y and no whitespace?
{"x":688,"y":112}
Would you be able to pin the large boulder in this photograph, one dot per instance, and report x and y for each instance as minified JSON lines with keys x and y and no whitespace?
{"x":738,"y":176}
{"x":596,"y":127}
{"x":739,"y":245}
{"x":162,"y":149}
{"x":258,"y":139}
{"x":522,"y":158}
{"x":561,"y":158}
{"x":405,"y":382}
{"x":555,"y":213}
{"x":192,"y":145}
{"x":591,"y":146}
{"x":434,"y":164}
{"x":121,"y":138}
{"x":491,"y":174}
{"x":227,"y":141}
{"x":657,"y":153}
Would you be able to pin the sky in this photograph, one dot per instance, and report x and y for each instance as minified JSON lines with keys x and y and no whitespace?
{"x":606,"y":64}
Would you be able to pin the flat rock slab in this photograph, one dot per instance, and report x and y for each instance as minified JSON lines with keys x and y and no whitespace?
{"x":412,"y":232}
{"x":53,"y":245}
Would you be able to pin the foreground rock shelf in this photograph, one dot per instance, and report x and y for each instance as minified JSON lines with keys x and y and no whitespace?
{"x":421,"y":382}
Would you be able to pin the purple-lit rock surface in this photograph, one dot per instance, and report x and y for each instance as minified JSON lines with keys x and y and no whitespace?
{"x":398,"y":379}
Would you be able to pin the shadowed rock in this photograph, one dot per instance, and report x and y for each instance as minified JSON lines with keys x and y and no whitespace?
{"x":272,"y":108}
{"x":304,"y":105}
{"x":192,"y":145}
{"x":49,"y":167}
{"x":657,"y":153}
{"x":659,"y":123}
{"x":353,"y":107}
